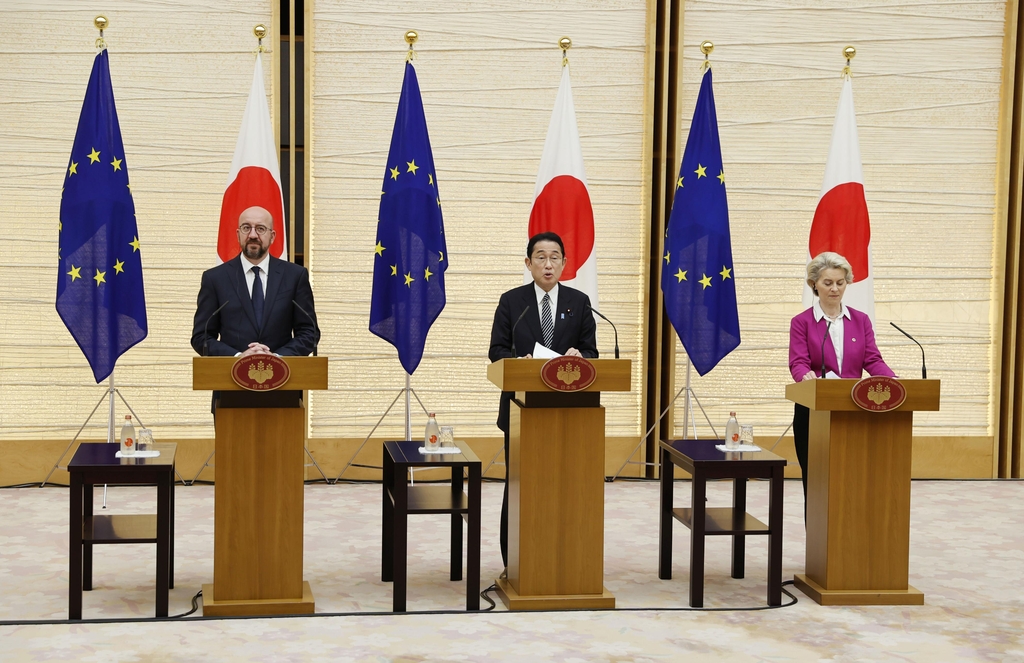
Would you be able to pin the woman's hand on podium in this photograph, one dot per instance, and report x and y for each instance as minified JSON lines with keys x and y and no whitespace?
{"x":809,"y":375}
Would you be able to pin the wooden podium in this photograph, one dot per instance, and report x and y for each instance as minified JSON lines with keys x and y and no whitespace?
{"x":556,"y":487}
{"x":258,"y":492}
{"x":858,"y":494}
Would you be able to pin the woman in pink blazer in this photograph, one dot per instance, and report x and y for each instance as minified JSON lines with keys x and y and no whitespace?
{"x":829,"y":339}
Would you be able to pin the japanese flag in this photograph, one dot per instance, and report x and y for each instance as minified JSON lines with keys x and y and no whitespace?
{"x":561,"y":203}
{"x":255,"y":178}
{"x":841,"y":218}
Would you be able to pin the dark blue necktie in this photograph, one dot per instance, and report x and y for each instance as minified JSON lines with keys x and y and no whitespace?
{"x":257,"y":297}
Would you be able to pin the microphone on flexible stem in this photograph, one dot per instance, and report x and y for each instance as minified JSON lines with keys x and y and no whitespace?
{"x":827,"y":328}
{"x":521,"y":316}
{"x":602,"y":316}
{"x":206,"y":327}
{"x":313,"y":320}
{"x":924,"y":370}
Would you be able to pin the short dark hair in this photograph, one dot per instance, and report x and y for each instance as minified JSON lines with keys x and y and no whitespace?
{"x":544,"y":237}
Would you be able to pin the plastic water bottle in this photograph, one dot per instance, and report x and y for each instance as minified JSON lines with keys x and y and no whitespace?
{"x":127,"y":437}
{"x":432,"y":435}
{"x":732,"y":432}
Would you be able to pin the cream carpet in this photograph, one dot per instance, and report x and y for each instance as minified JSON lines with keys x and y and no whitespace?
{"x":967,"y":556}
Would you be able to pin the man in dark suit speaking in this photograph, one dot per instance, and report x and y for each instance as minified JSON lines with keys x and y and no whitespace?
{"x":556,"y":316}
{"x":267,"y":303}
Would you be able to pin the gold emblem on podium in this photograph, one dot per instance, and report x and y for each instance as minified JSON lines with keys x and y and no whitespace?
{"x":568,"y":373}
{"x":260,"y":372}
{"x":878,"y":394}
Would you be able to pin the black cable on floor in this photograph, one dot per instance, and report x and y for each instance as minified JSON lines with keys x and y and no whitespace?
{"x":132,"y":620}
{"x":484,"y":596}
{"x":195,"y":606}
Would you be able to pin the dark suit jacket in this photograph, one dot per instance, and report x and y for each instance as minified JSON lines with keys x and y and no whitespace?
{"x":285,"y":329}
{"x":574,"y":328}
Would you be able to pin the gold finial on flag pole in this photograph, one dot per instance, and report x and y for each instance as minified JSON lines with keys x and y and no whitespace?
{"x":565,"y":44}
{"x":410,"y":38}
{"x":101,"y":24}
{"x":849,"y":52}
{"x":260,"y":31}
{"x":706,"y":47}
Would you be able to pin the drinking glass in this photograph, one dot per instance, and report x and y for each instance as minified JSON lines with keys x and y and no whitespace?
{"x":145,"y":439}
{"x":747,"y":434}
{"x":447,"y":436}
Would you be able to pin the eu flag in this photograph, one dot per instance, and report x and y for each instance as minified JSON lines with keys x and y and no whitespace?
{"x":410,"y":256}
{"x":100,"y":296}
{"x":697,"y":273}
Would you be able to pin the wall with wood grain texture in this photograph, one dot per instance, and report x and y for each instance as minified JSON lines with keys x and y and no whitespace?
{"x":488,"y":72}
{"x":181,"y":71}
{"x":926,"y":81}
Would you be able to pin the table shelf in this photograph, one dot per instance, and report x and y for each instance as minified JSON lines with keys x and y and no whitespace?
{"x":436,"y":499}
{"x":120,"y":529}
{"x":720,"y":521}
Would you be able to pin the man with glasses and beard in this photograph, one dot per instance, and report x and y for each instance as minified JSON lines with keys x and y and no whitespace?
{"x":267,"y":303}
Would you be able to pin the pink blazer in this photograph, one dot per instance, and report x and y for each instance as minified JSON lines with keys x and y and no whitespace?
{"x":859,"y":350}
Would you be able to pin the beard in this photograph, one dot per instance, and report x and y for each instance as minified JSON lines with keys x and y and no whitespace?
{"x":255,"y":250}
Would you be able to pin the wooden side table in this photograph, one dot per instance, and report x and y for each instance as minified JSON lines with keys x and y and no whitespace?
{"x":703,"y":461}
{"x":402,"y":500}
{"x":95,"y":464}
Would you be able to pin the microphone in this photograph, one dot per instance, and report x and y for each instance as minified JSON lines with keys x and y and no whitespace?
{"x":827,"y":328}
{"x":602,"y":316}
{"x":518,"y":320}
{"x":315,"y":327}
{"x":924,"y":370}
{"x":206,"y":327}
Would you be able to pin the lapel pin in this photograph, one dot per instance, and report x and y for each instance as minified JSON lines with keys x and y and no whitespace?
{"x":853,"y":340}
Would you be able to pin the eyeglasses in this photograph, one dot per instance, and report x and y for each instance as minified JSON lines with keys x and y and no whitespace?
{"x":245,"y":229}
{"x":554,"y":259}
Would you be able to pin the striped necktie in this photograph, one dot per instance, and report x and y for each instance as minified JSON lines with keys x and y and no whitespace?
{"x":547,"y":321}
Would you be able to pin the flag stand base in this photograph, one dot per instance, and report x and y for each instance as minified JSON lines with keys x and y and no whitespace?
{"x":688,"y":422}
{"x":408,"y":392}
{"x":107,"y":395}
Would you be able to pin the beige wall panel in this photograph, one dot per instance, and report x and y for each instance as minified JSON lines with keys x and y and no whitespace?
{"x":488,"y":73}
{"x":181,"y":71}
{"x":926,"y":89}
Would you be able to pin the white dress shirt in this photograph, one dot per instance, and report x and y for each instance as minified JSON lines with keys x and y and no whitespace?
{"x":835,"y":332}
{"x":553,"y":294}
{"x":247,"y":266}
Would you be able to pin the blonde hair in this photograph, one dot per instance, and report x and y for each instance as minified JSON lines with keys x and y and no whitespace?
{"x":827,"y":260}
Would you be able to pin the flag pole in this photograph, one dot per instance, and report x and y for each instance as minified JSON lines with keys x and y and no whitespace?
{"x":849,"y":52}
{"x":408,"y":406}
{"x":110,"y":415}
{"x":686,"y":403}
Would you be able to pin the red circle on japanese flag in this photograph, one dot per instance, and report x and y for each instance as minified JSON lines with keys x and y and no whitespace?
{"x":841,"y":225}
{"x":254,"y":186}
{"x":563,"y":207}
